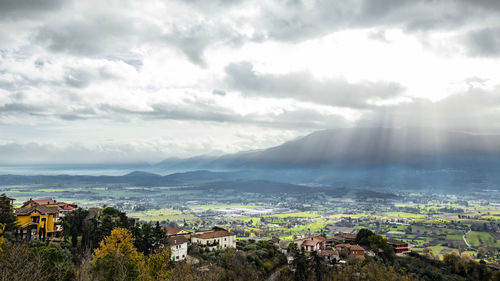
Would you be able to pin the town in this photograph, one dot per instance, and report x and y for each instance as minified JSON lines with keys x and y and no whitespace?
{"x":350,"y":240}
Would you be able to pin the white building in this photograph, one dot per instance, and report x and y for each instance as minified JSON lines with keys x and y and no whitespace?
{"x":179,"y":246}
{"x":215,"y":239}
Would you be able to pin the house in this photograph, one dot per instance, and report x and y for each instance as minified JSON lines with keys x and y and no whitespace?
{"x":334,"y":240}
{"x":171,"y":231}
{"x":62,"y":207}
{"x":351,"y":251}
{"x":275,"y":241}
{"x":39,"y":219}
{"x":283,"y":248}
{"x":349,"y":237}
{"x":400,"y":247}
{"x":178,"y":246}
{"x":329,"y":255}
{"x":311,"y":243}
{"x":217,"y":238}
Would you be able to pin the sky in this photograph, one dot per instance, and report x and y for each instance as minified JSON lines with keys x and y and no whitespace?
{"x":139,"y":81}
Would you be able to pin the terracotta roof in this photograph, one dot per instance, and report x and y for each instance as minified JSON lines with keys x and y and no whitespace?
{"x":213,"y":234}
{"x":357,"y":248}
{"x":171,"y":230}
{"x":24,"y":211}
{"x":177,"y":240}
{"x":310,"y":243}
{"x":45,"y":201}
{"x":312,"y":238}
{"x":66,"y":206}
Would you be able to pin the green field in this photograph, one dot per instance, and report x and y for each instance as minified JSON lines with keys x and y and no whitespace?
{"x":477,"y":238}
{"x":404,"y":215}
{"x":453,"y":237}
{"x":295,"y":215}
{"x":161,"y":215}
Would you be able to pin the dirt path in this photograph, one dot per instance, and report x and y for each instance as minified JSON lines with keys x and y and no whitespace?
{"x":465,"y":240}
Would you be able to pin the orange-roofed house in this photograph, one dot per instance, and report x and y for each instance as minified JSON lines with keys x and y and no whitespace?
{"x":311,"y":243}
{"x":172,"y":231}
{"x":62,"y":207}
{"x":216,"y":238}
{"x":39,"y":220}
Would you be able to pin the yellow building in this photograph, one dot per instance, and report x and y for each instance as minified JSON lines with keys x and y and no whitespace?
{"x":39,"y":221}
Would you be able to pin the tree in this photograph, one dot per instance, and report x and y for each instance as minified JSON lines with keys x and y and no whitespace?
{"x":144,"y":238}
{"x":73,"y":224}
{"x":301,"y":267}
{"x":7,"y":216}
{"x":158,"y":263}
{"x":117,"y":258}
{"x":158,"y":235}
{"x":363,"y":235}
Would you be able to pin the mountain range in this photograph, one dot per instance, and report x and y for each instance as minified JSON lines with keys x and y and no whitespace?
{"x":416,"y":158}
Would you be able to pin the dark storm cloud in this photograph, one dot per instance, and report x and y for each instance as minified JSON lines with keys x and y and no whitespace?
{"x":303,"y":86}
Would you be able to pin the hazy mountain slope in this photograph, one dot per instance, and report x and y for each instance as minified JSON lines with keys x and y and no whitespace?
{"x":369,"y":146}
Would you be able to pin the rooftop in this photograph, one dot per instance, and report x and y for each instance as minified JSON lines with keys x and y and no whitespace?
{"x":177,"y":240}
{"x":24,"y":211}
{"x":171,"y":230}
{"x":213,"y":234}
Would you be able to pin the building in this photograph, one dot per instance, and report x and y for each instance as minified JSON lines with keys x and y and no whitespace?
{"x":178,"y":246}
{"x":329,"y":255}
{"x":311,"y":243}
{"x":275,"y":241}
{"x":400,"y":247}
{"x":62,"y":207}
{"x":39,"y":220}
{"x":349,"y":237}
{"x":171,"y":231}
{"x":283,"y":248}
{"x":311,"y":246}
{"x":217,"y":238}
{"x":351,"y":251}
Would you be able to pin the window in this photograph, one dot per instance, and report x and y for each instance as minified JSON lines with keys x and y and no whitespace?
{"x":177,"y":257}
{"x":225,"y":239}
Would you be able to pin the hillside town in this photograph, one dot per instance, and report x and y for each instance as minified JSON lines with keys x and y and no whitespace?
{"x":61,"y":224}
{"x":42,"y":219}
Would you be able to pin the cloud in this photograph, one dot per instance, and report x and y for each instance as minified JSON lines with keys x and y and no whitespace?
{"x":11,"y":9}
{"x":476,"y":109}
{"x":483,"y":42}
{"x":303,"y":86}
